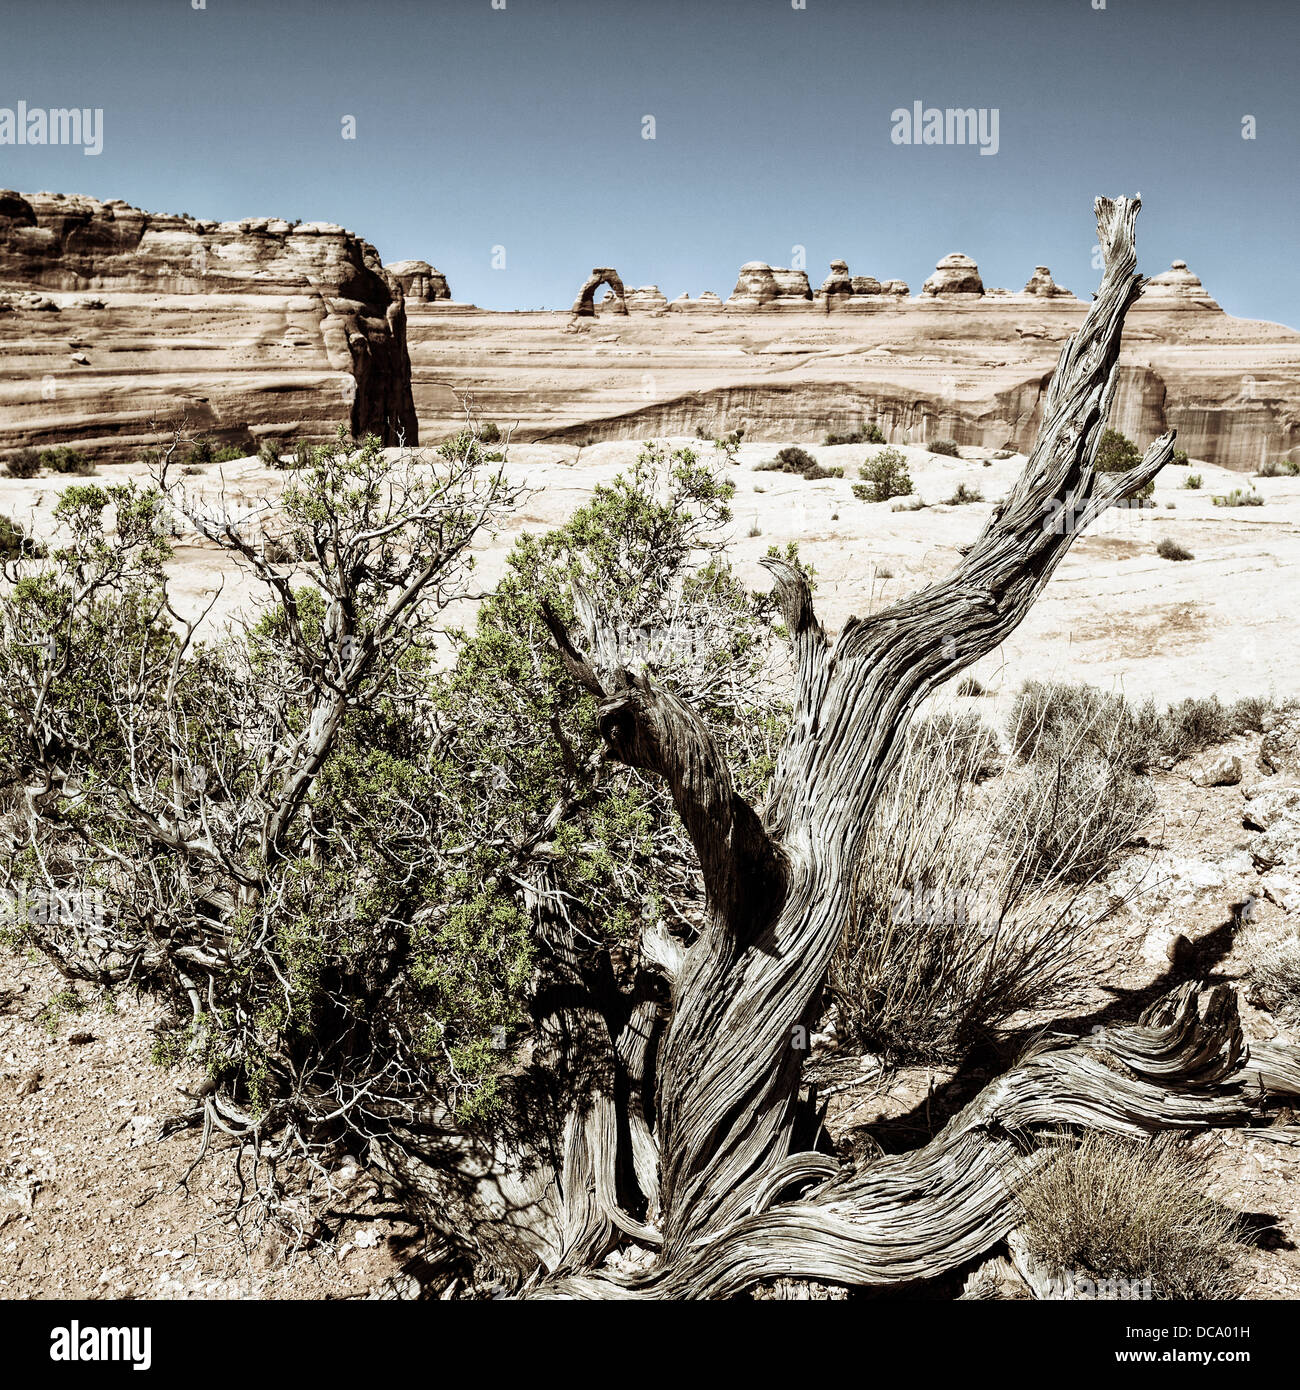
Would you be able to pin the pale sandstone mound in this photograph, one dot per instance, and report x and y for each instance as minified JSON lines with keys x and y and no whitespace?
{"x":257,"y":327}
{"x":649,"y":298}
{"x":955,"y":274}
{"x":420,"y":282}
{"x":1179,"y":284}
{"x":760,"y":283}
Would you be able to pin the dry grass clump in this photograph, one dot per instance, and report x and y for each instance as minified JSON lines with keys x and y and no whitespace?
{"x":950,"y":933}
{"x":1074,"y":816}
{"x":1273,"y":968}
{"x":1108,"y":1209}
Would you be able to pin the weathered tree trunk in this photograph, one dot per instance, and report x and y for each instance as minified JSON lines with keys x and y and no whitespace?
{"x":778,"y":887}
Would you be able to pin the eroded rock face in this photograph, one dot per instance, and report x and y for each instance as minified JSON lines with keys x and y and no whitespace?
{"x":420,"y":282}
{"x":1041,"y":283}
{"x":955,"y":274}
{"x":257,"y":327}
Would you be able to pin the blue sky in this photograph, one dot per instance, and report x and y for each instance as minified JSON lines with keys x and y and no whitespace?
{"x":522,"y":128}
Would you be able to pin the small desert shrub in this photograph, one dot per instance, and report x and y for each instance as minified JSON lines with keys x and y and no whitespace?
{"x":970,"y":685}
{"x":1107,"y":1208}
{"x":203,"y":450}
{"x":489,"y":433}
{"x":817,"y":472}
{"x":1238,"y":498}
{"x":962,"y":744}
{"x":947,"y":447}
{"x":15,"y":543}
{"x":964,"y":495}
{"x":67,"y":460}
{"x":885,"y":476}
{"x":1249,"y":713}
{"x":1052,"y":717}
{"x":791,"y":459}
{"x":913,"y":504}
{"x":268,"y":454}
{"x":1179,"y":459}
{"x":1116,"y":453}
{"x":867,"y":434}
{"x":1279,"y":468}
{"x":1194,"y":724}
{"x":228,"y":453}
{"x":1075,"y":814}
{"x":1192,"y":482}
{"x":1170,"y":550}
{"x":754,"y":529}
{"x":947,"y":936}
{"x":26,"y":463}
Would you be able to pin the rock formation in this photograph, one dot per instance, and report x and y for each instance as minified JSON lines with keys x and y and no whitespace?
{"x":1178,"y":283}
{"x":866,"y":284}
{"x":955,"y":274}
{"x":838,"y":281}
{"x":585,"y":304}
{"x":246,"y":329}
{"x":760,"y":283}
{"x":420,"y":282}
{"x":1041,"y":284}
{"x":649,"y":298}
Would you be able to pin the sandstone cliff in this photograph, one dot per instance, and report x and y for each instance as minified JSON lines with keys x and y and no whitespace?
{"x":257,"y":328}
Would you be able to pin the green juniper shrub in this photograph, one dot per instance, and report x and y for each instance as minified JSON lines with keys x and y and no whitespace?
{"x":67,"y":460}
{"x":866,"y":434}
{"x":26,"y":463}
{"x":947,"y":447}
{"x":885,"y":476}
{"x":1117,"y":453}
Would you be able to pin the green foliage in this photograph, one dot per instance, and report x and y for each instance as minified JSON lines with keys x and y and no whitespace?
{"x":965,"y":495}
{"x":15,"y":543}
{"x":1192,"y":482}
{"x":1180,"y":459}
{"x":26,"y":463}
{"x":1116,"y":453}
{"x":66,"y":460}
{"x":382,"y":946}
{"x":1279,"y":468}
{"x":947,"y":447}
{"x":886,"y":476}
{"x":866,"y":434}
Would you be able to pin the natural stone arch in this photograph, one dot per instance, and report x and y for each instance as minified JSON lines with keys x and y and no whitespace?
{"x":585,"y":304}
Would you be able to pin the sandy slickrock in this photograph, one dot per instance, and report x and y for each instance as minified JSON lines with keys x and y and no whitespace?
{"x":258,"y":327}
{"x":955,"y":274}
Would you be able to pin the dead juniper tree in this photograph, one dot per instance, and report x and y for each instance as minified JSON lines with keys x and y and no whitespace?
{"x":684,"y":1145}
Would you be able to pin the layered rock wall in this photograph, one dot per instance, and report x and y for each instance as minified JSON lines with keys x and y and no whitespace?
{"x":117,"y":324}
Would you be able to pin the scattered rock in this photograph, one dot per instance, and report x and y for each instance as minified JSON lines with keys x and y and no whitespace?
{"x":1279,"y":749}
{"x":1224,"y":770}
